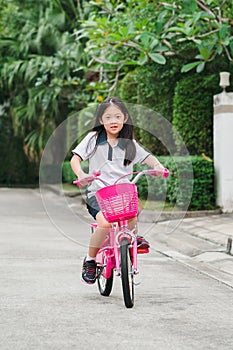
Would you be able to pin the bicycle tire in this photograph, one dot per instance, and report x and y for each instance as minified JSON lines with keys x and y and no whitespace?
{"x":127,"y":274}
{"x":105,"y":284}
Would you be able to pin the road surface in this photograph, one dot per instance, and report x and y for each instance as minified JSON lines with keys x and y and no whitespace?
{"x":44,"y":304}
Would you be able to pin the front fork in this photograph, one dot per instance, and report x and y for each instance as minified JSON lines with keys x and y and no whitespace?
{"x":131,"y":237}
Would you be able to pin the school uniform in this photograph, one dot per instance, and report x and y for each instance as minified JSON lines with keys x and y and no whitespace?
{"x":108,"y":160}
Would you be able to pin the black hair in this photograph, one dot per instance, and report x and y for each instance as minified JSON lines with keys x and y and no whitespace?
{"x":126,"y":134}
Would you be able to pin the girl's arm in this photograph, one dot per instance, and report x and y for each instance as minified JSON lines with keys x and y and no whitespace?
{"x":153,"y":163}
{"x":76,"y":167}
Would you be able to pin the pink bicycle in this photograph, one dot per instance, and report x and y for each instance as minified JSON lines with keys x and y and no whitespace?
{"x":118,"y":203}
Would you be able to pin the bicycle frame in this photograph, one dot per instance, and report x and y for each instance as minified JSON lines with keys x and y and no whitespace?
{"x":111,"y":246}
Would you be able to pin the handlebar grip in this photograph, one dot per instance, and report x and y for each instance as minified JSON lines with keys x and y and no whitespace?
{"x":78,"y":183}
{"x":151,"y":172}
{"x":81,"y":183}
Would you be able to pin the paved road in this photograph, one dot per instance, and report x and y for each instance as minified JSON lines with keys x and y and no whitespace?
{"x":44,"y":305}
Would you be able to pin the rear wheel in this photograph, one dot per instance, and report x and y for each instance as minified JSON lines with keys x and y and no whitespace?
{"x":127,"y":274}
{"x":105,"y":284}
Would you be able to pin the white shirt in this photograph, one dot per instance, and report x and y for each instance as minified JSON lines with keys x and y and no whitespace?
{"x":107,"y":159}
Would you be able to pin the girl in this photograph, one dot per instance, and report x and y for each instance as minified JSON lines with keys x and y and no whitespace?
{"x":110,"y":148}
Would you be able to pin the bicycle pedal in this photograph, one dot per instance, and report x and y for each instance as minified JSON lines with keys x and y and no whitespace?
{"x":143,"y":250}
{"x":99,"y":271}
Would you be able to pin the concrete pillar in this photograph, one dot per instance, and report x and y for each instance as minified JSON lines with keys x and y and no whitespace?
{"x":223,"y":148}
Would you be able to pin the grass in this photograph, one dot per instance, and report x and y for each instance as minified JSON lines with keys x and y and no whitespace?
{"x":67,"y":187}
{"x":156,"y":205}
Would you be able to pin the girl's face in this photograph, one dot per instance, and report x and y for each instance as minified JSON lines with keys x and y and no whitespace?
{"x":113,"y":121}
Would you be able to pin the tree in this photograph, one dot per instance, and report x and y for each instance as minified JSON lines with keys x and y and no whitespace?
{"x":122,"y":35}
{"x":41,"y":67}
{"x":59,"y":57}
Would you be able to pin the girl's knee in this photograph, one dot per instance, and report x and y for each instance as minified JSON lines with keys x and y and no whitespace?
{"x":102,"y":222}
{"x":133,"y":221}
{"x":104,"y":225}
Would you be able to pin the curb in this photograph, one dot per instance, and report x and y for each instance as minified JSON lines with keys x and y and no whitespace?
{"x":154,"y":216}
{"x":201,"y":267}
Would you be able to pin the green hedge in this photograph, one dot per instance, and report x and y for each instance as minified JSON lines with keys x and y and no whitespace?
{"x":187,"y":186}
{"x":193,"y":111}
{"x":199,"y":177}
{"x":68,"y":174}
{"x":151,"y":86}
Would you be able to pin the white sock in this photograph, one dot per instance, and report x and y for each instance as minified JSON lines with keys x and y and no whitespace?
{"x":88,"y":258}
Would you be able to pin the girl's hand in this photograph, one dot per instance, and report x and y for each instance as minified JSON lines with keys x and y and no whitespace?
{"x":154,"y":164}
{"x":161,"y":171}
{"x":85,"y":180}
{"x":81,"y":177}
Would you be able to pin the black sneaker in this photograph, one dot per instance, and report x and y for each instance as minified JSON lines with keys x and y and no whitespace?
{"x":89,"y":271}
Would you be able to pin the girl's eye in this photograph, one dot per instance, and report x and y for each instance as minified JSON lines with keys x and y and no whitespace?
{"x":108,"y":118}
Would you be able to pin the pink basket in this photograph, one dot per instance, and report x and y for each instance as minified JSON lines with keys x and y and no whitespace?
{"x":118,"y":202}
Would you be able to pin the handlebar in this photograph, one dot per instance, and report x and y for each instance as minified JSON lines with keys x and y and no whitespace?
{"x":151,"y":172}
{"x":83,"y":182}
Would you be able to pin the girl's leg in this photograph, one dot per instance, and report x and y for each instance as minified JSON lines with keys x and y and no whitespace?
{"x":96,"y":241}
{"x":98,"y":237}
{"x":141,"y":241}
{"x":133,"y":223}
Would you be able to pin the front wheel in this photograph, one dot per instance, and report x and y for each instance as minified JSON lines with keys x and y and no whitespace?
{"x":127,"y":274}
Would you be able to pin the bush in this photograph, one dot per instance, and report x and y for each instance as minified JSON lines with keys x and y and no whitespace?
{"x":15,"y":166}
{"x":68,"y":174}
{"x":204,"y":196}
{"x":193,"y":112}
{"x":186,"y":187}
{"x":201,"y":177}
{"x":150,"y":86}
